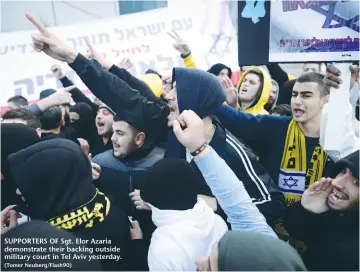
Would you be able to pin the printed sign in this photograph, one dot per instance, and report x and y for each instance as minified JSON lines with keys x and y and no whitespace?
{"x":142,"y":37}
{"x":303,"y":30}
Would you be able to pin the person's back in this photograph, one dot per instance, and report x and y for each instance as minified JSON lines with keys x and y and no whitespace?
{"x":184,"y":235}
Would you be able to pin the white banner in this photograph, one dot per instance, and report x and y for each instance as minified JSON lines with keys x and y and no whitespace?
{"x":304,"y":30}
{"x":209,"y":29}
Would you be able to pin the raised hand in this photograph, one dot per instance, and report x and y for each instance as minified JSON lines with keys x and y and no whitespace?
{"x":230,"y":91}
{"x":50,"y":44}
{"x":179,"y":43}
{"x":125,"y":63}
{"x":332,"y":77}
{"x":315,"y":197}
{"x":94,"y":54}
{"x":96,"y":170}
{"x":57,"y":71}
{"x":193,"y":136}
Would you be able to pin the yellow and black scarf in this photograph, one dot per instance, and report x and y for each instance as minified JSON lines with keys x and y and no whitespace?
{"x":85,"y":216}
{"x":295,"y":176}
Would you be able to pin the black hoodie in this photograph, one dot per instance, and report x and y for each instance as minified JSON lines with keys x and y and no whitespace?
{"x":55,"y":179}
{"x":14,"y":137}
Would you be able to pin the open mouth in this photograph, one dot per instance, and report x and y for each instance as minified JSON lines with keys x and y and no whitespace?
{"x":336,"y":196}
{"x":298,"y":112}
{"x":116,"y":146}
{"x":244,"y":90}
{"x":100,"y":124}
{"x":172,"y":110}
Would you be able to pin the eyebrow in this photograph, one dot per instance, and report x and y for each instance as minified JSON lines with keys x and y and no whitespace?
{"x":118,"y":130}
{"x":302,"y":92}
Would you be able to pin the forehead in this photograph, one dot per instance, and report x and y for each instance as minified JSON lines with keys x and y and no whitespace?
{"x":103,"y":111}
{"x":121,"y":125}
{"x":306,"y":87}
{"x":252,"y":76}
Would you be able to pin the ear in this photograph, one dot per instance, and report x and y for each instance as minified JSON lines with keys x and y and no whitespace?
{"x":140,"y":139}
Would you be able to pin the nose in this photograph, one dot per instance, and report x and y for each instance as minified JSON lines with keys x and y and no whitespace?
{"x":297,"y":100}
{"x":169,"y":96}
{"x":112,"y":137}
{"x":341,"y":180}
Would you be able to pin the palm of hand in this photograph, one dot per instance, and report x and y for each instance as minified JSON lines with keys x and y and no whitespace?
{"x":315,"y":201}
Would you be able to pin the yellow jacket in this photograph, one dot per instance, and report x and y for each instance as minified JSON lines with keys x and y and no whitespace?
{"x":189,"y":62}
{"x":257,"y":107}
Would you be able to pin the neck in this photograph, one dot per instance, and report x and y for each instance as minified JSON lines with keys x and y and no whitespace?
{"x":245,"y":104}
{"x":311,"y":128}
{"x":55,"y":131}
{"x":208,"y":129}
{"x":105,"y":140}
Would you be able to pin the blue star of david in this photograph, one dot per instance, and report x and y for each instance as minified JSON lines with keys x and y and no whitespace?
{"x":290,"y":182}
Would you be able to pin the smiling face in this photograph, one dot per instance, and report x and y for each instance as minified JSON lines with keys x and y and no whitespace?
{"x":306,"y":101}
{"x":172,"y":102}
{"x":249,"y":87}
{"x":345,"y":194}
{"x":104,"y":121}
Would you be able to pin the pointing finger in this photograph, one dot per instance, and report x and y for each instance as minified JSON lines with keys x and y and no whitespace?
{"x":43,"y":30}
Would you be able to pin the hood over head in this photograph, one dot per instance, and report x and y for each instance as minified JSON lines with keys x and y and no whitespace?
{"x":53,"y":176}
{"x":85,"y":127}
{"x":253,"y":251}
{"x":257,"y":106}
{"x":154,"y":82}
{"x":14,"y":137}
{"x":170,"y":185}
{"x":351,"y":161}
{"x":198,"y":91}
{"x":217,"y":68}
{"x":42,"y":230}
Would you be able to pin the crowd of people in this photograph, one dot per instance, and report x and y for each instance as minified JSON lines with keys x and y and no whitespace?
{"x":184,"y":173}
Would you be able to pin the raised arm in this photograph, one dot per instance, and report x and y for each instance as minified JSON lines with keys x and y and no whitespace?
{"x":125,"y":101}
{"x":184,"y":49}
{"x":228,"y":190}
{"x":340,"y":123}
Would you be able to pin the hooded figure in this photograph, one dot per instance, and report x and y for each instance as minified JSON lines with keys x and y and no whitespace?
{"x":54,"y":177}
{"x":247,"y":89}
{"x":252,"y":251}
{"x":14,"y":137}
{"x":37,"y":229}
{"x":186,"y":227}
{"x":198,"y":91}
{"x":85,"y":123}
{"x":217,"y":68}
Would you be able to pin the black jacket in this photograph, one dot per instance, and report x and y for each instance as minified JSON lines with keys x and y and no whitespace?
{"x":55,"y":179}
{"x":332,"y":238}
{"x":257,"y":181}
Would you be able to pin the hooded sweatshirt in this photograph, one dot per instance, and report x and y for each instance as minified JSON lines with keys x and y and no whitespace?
{"x":37,"y":229}
{"x":55,"y":179}
{"x":253,"y":251}
{"x":14,"y":137}
{"x":261,"y":98}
